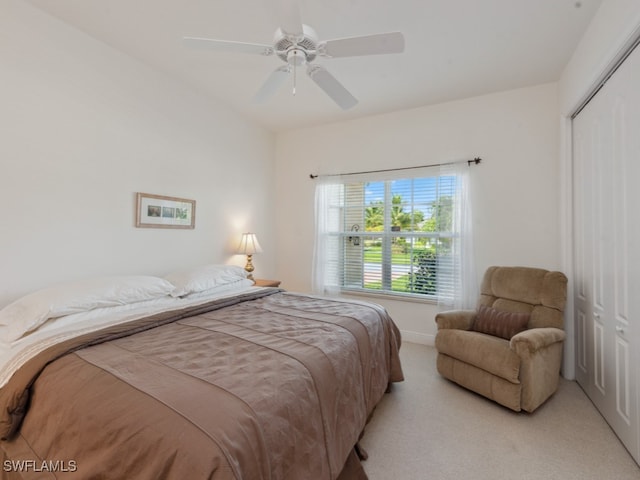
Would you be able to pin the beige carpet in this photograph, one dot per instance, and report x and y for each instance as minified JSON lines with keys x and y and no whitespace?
{"x":430,"y":428}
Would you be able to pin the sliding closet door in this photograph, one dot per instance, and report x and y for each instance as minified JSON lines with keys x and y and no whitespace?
{"x":607,"y":239}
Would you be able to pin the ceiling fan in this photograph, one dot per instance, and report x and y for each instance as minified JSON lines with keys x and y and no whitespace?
{"x":297,"y":45}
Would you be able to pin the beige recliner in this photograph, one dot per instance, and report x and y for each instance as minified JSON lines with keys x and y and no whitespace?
{"x":510,"y":348}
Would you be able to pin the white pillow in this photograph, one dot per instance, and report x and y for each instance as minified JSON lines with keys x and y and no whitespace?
{"x":199,"y":279}
{"x":238,"y":285}
{"x":29,"y":312}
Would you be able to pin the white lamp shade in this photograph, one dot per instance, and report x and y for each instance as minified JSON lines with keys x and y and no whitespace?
{"x":249,"y":244}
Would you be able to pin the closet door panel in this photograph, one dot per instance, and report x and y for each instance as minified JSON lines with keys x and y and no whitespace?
{"x":583,"y":285}
{"x":628,"y":323}
{"x":607,"y":267}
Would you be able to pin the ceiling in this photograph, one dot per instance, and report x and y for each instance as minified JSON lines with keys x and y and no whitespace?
{"x":454,"y":48}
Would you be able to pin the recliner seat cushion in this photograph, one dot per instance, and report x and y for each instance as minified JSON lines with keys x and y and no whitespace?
{"x":487,"y":352}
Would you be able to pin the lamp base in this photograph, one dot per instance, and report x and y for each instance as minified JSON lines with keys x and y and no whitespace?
{"x":249,"y":268}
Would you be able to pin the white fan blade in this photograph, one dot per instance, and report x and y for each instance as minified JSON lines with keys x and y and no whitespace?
{"x":288,"y":15}
{"x":376,"y":44}
{"x":272,"y":84}
{"x":331,"y":87}
{"x":227,"y":46}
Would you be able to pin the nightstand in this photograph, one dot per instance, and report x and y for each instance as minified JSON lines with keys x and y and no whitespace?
{"x":260,"y":282}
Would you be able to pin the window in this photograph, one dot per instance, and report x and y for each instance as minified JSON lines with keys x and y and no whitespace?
{"x":394,"y":236}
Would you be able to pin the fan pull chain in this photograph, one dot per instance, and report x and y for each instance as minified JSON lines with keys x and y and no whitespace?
{"x":294,"y":79}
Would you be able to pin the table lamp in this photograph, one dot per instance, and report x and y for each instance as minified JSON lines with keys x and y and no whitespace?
{"x":248,"y":246}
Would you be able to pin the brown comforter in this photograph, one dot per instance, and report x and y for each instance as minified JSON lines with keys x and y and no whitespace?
{"x":269,"y":385}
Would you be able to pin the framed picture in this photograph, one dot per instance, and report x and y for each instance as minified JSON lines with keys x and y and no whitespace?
{"x":160,"y":211}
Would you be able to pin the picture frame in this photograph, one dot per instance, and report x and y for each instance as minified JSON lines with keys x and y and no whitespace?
{"x":161,"y":211}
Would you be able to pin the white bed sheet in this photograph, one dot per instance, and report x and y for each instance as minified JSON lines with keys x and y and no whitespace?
{"x":15,"y":354}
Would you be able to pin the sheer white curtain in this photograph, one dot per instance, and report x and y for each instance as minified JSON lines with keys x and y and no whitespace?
{"x":465,"y":288}
{"x":325,"y":271}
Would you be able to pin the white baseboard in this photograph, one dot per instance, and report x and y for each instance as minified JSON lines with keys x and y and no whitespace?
{"x":417,"y":337}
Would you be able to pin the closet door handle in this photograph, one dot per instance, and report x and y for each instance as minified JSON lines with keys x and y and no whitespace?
{"x":620,"y":330}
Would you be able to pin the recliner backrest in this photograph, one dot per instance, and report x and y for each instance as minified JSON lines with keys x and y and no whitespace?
{"x":540,"y":292}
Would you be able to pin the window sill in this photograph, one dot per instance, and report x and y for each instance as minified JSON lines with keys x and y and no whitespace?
{"x":389,"y":296}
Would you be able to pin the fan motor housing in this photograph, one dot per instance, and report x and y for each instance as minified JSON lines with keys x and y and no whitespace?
{"x":304,"y":44}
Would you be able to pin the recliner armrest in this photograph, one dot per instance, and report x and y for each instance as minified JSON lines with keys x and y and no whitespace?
{"x":534,"y":339}
{"x":455,"y":319}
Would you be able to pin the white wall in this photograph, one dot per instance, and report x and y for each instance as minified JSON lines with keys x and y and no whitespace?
{"x":83,"y":127}
{"x":515,"y":189}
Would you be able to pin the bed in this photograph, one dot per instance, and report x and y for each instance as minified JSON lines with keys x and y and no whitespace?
{"x":195,"y":375}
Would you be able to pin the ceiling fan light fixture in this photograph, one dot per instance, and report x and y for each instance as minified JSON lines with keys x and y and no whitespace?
{"x":296,"y":57}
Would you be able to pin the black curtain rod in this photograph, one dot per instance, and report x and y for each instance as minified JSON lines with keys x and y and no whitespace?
{"x":475,"y":161}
